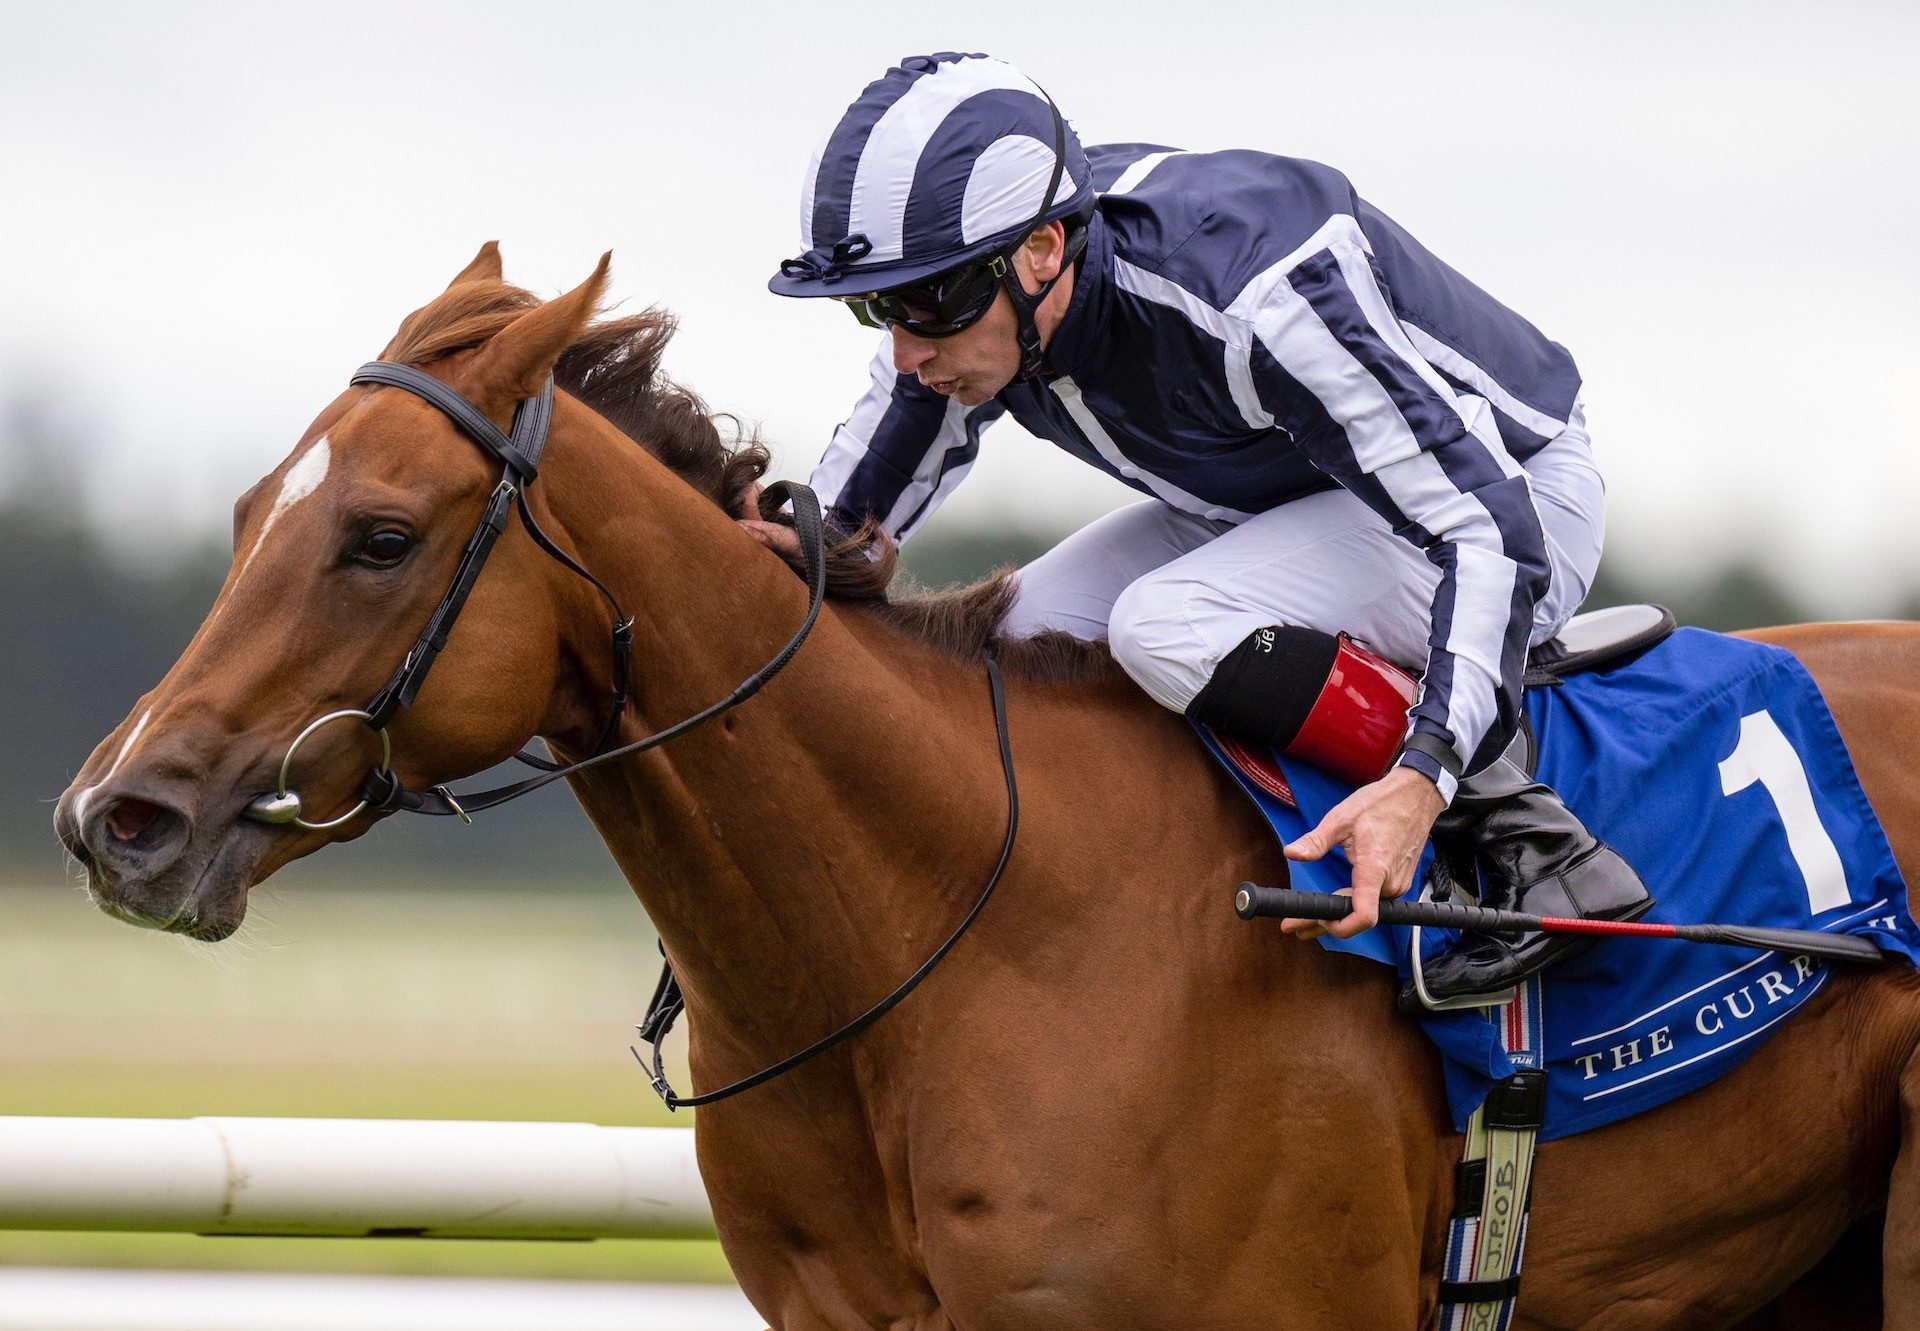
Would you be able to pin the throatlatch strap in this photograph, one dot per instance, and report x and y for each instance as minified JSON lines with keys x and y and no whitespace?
{"x":1493,"y":1183}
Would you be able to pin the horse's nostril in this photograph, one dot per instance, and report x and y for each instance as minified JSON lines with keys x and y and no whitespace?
{"x":130,"y":818}
{"x":134,"y":835}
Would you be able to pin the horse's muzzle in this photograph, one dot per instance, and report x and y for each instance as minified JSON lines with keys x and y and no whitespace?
{"x":138,"y":850}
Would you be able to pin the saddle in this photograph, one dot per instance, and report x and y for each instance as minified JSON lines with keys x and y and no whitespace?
{"x":1598,"y":638}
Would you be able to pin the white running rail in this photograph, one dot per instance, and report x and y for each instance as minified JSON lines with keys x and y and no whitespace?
{"x":330,"y":1176}
{"x":82,"y":1300}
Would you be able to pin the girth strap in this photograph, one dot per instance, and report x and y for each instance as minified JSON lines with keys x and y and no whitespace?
{"x":1493,"y":1183}
{"x":1480,"y":1291}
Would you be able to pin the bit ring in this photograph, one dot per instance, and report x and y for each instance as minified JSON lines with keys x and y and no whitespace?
{"x":286,"y":766}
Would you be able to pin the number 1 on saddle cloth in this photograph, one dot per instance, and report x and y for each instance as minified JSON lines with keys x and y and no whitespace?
{"x":1326,"y":700}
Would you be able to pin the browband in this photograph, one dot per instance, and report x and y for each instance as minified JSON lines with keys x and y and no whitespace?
{"x":520,"y":451}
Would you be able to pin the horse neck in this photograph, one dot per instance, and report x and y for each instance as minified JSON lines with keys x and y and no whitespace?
{"x":806,"y":849}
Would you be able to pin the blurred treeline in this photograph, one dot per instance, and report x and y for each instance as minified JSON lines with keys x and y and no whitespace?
{"x":86,"y":632}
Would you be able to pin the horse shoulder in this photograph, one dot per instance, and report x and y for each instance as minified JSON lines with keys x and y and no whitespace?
{"x":1139,"y":1082}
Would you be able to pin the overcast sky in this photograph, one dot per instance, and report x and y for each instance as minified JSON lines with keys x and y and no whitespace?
{"x":210,"y":213}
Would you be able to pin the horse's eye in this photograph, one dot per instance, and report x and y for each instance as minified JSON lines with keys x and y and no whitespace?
{"x":383,"y":548}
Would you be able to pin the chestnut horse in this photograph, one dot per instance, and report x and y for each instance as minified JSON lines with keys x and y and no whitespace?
{"x":1115,"y":1105}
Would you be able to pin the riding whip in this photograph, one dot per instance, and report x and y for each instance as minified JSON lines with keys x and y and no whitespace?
{"x":1253,"y":901}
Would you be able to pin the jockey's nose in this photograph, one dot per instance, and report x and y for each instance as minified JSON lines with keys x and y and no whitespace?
{"x":910,"y":352}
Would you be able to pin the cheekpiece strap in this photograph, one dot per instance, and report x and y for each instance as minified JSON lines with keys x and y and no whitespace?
{"x":519,"y":456}
{"x":404,"y":687}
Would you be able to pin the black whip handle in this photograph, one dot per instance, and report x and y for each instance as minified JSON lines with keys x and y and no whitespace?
{"x":1253,"y":901}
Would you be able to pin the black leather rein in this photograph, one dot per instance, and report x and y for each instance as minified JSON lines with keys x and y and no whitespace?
{"x":667,"y":1003}
{"x":519,"y":455}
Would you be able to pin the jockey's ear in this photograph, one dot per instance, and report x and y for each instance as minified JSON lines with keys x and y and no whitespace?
{"x":485,"y":266}
{"x":1043,"y":250}
{"x":516,"y":360}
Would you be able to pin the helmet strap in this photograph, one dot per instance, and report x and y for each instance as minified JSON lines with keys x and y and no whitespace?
{"x":1026,"y":305}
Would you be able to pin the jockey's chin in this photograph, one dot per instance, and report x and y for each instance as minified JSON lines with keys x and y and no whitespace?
{"x":966,"y":392}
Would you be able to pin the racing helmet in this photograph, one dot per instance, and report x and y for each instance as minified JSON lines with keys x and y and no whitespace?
{"x":944,"y":159}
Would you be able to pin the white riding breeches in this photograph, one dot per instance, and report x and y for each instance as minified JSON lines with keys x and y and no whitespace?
{"x":1173,"y":593}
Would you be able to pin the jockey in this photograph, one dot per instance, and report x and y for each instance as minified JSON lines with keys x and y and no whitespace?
{"x":1349,"y":453}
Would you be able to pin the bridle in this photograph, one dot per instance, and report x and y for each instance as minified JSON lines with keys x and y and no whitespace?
{"x":519,"y":458}
{"x":518,"y":453}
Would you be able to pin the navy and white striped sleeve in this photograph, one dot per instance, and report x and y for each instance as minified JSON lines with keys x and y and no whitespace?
{"x":1428,"y":460}
{"x":900,"y":454}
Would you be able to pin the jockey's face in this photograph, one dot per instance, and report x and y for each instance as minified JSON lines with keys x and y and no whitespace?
{"x":977,"y":362}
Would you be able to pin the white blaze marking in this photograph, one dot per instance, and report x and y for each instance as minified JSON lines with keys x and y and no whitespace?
{"x":80,"y":805}
{"x":301,"y":480}
{"x":304,"y":477}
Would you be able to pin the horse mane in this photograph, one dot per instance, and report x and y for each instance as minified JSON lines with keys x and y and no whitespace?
{"x":614,"y":367}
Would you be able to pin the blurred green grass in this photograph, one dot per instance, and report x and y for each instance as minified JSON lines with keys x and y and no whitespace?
{"x":339,"y":999}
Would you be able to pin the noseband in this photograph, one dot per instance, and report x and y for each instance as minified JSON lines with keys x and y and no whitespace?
{"x":519,"y":456}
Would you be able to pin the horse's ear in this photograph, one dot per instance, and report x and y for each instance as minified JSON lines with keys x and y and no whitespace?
{"x":484,"y":268}
{"x":516,"y":360}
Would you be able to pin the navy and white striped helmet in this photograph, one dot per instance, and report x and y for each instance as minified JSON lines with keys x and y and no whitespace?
{"x":943,"y":159}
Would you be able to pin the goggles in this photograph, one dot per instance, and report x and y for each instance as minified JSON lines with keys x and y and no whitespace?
{"x":944,"y":304}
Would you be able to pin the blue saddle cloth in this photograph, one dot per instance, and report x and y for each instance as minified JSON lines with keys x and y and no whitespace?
{"x":1713,"y":765}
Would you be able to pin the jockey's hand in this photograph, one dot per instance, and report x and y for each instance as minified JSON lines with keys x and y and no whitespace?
{"x":776,"y":536}
{"x":1383,"y":828}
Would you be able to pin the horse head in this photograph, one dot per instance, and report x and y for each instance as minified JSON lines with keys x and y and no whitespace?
{"x":341,"y":553}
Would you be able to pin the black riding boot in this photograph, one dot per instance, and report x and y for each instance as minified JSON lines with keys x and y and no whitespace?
{"x":1534,"y":856}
